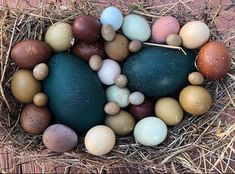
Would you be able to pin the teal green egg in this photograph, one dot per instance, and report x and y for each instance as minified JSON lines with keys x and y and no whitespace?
{"x":157,"y":71}
{"x":76,"y":96}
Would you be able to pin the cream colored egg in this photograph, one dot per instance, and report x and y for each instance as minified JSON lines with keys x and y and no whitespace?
{"x":40,"y":71}
{"x":196,"y":78}
{"x":121,"y":81}
{"x":112,"y":108}
{"x":40,"y":99}
{"x":95,"y":62}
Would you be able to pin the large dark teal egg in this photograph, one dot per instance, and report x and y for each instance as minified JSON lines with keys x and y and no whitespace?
{"x":76,"y":96}
{"x":158,"y":71}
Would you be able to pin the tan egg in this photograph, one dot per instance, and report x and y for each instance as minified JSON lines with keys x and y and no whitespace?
{"x":24,"y":86}
{"x":41,"y":71}
{"x":121,"y":81}
{"x":40,"y":99}
{"x":107,"y":32}
{"x":122,"y":124}
{"x":195,"y":78}
{"x":135,"y":46}
{"x":95,"y":62}
{"x":173,"y":40}
{"x":169,"y":110}
{"x":112,"y":108}
{"x":195,"y":100}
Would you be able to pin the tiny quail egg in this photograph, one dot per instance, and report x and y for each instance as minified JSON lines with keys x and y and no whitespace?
{"x":41,"y":71}
{"x":40,"y":99}
{"x":107,"y":32}
{"x":136,"y":98}
{"x":173,"y":40}
{"x":95,"y":62}
{"x":121,"y":81}
{"x":112,"y":108}
{"x":195,"y":78}
{"x":135,"y":46}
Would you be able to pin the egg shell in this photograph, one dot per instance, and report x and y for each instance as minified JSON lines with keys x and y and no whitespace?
{"x":150,"y":131}
{"x":87,"y":29}
{"x":134,"y":46}
{"x":136,"y":27}
{"x":85,"y":51}
{"x":112,"y":108}
{"x":214,"y":60}
{"x":100,"y":140}
{"x":163,"y":27}
{"x":174,"y":40}
{"x":24,"y":86}
{"x":136,"y":98}
{"x":59,"y":138}
{"x":121,"y":81}
{"x":40,"y":71}
{"x":40,"y":99}
{"x":95,"y":62}
{"x":29,"y":53}
{"x":112,"y":16}
{"x":107,"y":32}
{"x":195,"y":78}
{"x":35,"y":120}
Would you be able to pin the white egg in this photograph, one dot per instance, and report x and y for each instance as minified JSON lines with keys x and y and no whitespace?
{"x":136,"y":98}
{"x":109,"y":71}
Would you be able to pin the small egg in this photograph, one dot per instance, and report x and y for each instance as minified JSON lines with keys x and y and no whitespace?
{"x":95,"y":62}
{"x":122,"y":123}
{"x":195,"y":100}
{"x":41,"y":71}
{"x":107,"y":32}
{"x":136,"y":98}
{"x":121,"y":81}
{"x":195,"y":78}
{"x":174,"y":40}
{"x":40,"y":99}
{"x":109,"y":71}
{"x":150,"y":131}
{"x":135,"y":46}
{"x":169,"y":110}
{"x":112,"y":108}
{"x":35,"y":120}
{"x":100,"y":140}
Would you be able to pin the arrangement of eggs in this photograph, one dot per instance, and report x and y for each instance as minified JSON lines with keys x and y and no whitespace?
{"x":98,"y":79}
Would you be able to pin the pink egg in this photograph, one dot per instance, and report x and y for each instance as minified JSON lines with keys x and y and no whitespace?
{"x":163,"y":27}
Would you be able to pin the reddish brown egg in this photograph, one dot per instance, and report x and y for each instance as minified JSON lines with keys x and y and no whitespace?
{"x":85,"y":51}
{"x":213,"y":60}
{"x":29,"y":53}
{"x":87,"y":29}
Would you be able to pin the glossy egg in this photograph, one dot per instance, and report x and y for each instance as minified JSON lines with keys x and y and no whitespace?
{"x":29,"y":53}
{"x":24,"y":86}
{"x":40,"y":71}
{"x":112,"y":108}
{"x":214,"y":60}
{"x":40,"y":99}
{"x":136,"y":98}
{"x":107,"y":32}
{"x":195,"y":78}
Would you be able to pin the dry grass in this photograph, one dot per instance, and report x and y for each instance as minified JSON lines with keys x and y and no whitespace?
{"x":198,"y":144}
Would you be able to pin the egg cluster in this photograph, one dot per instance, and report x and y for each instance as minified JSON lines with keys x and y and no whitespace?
{"x":100,"y":79}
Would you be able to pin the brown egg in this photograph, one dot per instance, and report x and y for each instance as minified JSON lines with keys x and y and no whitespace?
{"x":118,"y":48}
{"x":87,"y":29}
{"x":24,"y":86}
{"x":195,"y":100}
{"x":40,"y":71}
{"x":107,"y":32}
{"x":35,"y":120}
{"x":40,"y":99}
{"x":29,"y":53}
{"x":121,"y":81}
{"x":85,"y":51}
{"x":112,"y":108}
{"x":95,"y":62}
{"x":195,"y":78}
{"x":135,"y":46}
{"x":122,"y":124}
{"x":214,"y":60}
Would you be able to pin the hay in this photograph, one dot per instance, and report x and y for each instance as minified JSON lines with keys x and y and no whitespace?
{"x":198,"y":144}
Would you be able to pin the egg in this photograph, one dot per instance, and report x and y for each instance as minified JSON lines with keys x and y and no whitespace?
{"x":214,"y":60}
{"x":24,"y":86}
{"x":194,"y":34}
{"x":134,"y":46}
{"x":87,"y":29}
{"x":29,"y":53}
{"x":107,"y":32}
{"x":59,"y":138}
{"x":163,"y":27}
{"x":136,"y":98}
{"x":35,"y":120}
{"x":121,"y":81}
{"x":95,"y":62}
{"x":40,"y":99}
{"x":195,"y":100}
{"x":136,"y":27}
{"x":120,"y":95}
{"x":118,"y":48}
{"x":122,"y":124}
{"x":195,"y":78}
{"x":169,"y":110}
{"x":174,"y":40}
{"x":109,"y":71}
{"x":150,"y":131}
{"x":59,"y":36}
{"x":112,"y":108}
{"x":100,"y":140}
{"x":112,"y":16}
{"x":40,"y":71}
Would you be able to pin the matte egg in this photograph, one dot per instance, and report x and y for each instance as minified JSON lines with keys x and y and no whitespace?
{"x":100,"y":140}
{"x":174,"y":40}
{"x":109,"y":71}
{"x":40,"y":71}
{"x":150,"y":131}
{"x":107,"y":32}
{"x":112,"y":108}
{"x":122,"y":124}
{"x":136,"y":98}
{"x":95,"y":62}
{"x":194,"y":34}
{"x":87,"y":29}
{"x":40,"y":99}
{"x":121,"y":81}
{"x":24,"y":86}
{"x":118,"y":48}
{"x":134,"y":46}
{"x":195,"y":78}
{"x":35,"y":120}
{"x":195,"y":100}
{"x":214,"y":60}
{"x":59,"y":138}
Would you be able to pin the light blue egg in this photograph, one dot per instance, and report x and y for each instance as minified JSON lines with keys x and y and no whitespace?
{"x":112,"y":16}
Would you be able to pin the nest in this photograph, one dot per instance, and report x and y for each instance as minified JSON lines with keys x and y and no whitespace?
{"x":198,"y":144}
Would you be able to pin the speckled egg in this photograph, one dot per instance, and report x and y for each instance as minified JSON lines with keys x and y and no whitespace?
{"x":174,"y":40}
{"x":107,"y":32}
{"x":112,"y":108}
{"x":121,"y":81}
{"x":40,"y":99}
{"x":195,"y":78}
{"x":95,"y":62}
{"x":135,"y":46}
{"x":40,"y":71}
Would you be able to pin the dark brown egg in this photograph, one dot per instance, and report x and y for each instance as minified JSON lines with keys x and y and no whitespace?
{"x":87,"y":29}
{"x":214,"y":60}
{"x":85,"y":51}
{"x":29,"y":53}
